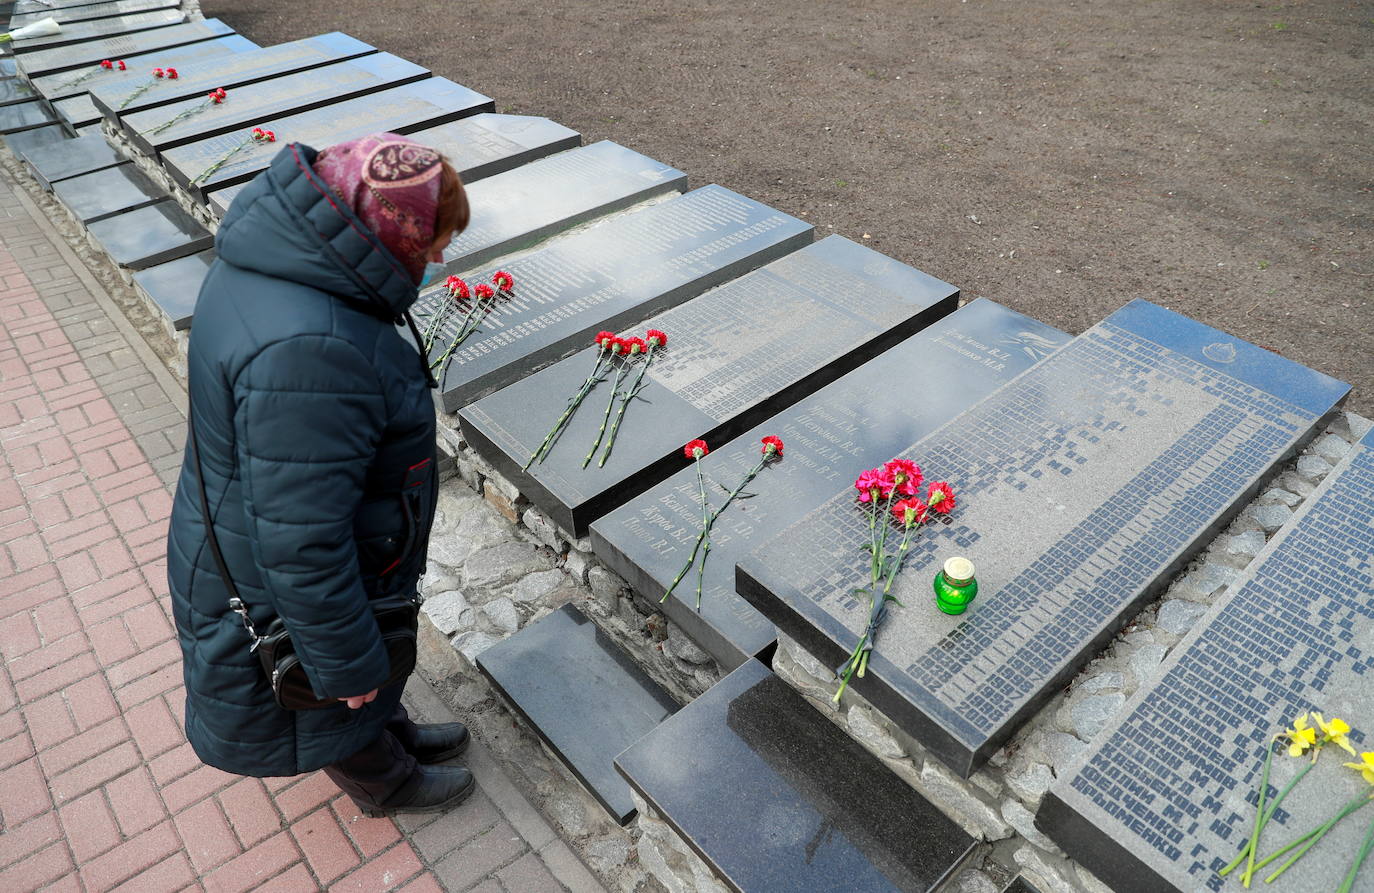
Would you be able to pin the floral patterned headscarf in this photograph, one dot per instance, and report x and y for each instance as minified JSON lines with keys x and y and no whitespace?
{"x":392,"y":184}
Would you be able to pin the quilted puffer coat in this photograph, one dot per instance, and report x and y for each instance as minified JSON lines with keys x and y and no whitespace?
{"x":316,"y":432}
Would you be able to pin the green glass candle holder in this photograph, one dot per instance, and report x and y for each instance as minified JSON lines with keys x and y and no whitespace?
{"x":955,"y":586}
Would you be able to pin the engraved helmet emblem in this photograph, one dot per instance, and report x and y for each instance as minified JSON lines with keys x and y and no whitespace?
{"x":1034,"y":345}
{"x":1220,"y":352}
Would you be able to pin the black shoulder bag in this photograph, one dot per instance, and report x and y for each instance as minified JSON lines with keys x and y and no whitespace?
{"x":397,"y":621}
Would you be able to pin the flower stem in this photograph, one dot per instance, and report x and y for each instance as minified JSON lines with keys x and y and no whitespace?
{"x":1268,"y":814}
{"x":708,"y":521}
{"x":625,"y":399}
{"x":1259,"y":815}
{"x":601,"y":433}
{"x":573,"y":403}
{"x":137,"y":93}
{"x":222,"y":161}
{"x":195,"y":110}
{"x":1349,"y":883}
{"x":1316,"y":836}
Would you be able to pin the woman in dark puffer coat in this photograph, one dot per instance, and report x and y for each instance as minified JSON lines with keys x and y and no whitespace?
{"x":315,"y":427}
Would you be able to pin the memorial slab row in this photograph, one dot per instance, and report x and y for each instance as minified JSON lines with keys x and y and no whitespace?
{"x":609,"y":276}
{"x":249,"y":105}
{"x":479,"y":146}
{"x":774,"y":797}
{"x":71,"y":158}
{"x":100,"y":28}
{"x":107,"y":193}
{"x":173,"y":287}
{"x":25,"y":116}
{"x":23,"y":6}
{"x":151,"y":235}
{"x":29,"y":142}
{"x":123,"y":46}
{"x":215,"y":51}
{"x":1084,"y":486}
{"x":76,"y":111}
{"x":400,"y":110}
{"x":246,"y":68}
{"x":735,"y":356}
{"x":72,"y":15}
{"x":14,"y":90}
{"x":521,"y":207}
{"x":857,"y":422}
{"x":1166,"y":795}
{"x":585,"y":698}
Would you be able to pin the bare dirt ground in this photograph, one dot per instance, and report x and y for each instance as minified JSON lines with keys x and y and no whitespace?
{"x":1061,"y":158}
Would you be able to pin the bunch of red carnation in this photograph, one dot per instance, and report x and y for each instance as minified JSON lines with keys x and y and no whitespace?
{"x":477,"y":311}
{"x":628,"y":349}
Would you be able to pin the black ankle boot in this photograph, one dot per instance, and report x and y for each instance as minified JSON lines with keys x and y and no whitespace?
{"x":440,"y":788}
{"x":439,"y":741}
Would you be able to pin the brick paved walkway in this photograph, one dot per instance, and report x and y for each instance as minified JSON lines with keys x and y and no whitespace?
{"x":98,"y":788}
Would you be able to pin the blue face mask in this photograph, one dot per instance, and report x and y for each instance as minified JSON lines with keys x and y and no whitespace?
{"x":432,"y":274}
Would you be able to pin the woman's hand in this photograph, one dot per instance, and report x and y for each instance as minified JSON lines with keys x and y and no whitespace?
{"x":359,"y":700}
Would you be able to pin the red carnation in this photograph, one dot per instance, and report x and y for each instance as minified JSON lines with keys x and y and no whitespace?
{"x":459,"y":288}
{"x":172,"y":73}
{"x":106,"y":63}
{"x":620,"y":345}
{"x":906,"y":476}
{"x":604,"y":339}
{"x":910,"y":511}
{"x":158,"y":72}
{"x":271,"y":137}
{"x":656,"y":338}
{"x":696,"y":449}
{"x":122,"y":66}
{"x":484,"y":291}
{"x":257,"y":131}
{"x":635,"y":345}
{"x":503,"y":280}
{"x":772,"y":446}
{"x":940,"y":498}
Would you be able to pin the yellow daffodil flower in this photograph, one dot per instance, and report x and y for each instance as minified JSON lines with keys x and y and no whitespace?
{"x":1365,"y":768}
{"x":1336,"y":732}
{"x":1300,"y":737}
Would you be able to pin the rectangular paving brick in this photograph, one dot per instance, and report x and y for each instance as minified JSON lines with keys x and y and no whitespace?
{"x":248,"y":871}
{"x":18,"y":843}
{"x":168,"y":876}
{"x":130,"y":858}
{"x":135,"y":801}
{"x":38,"y":870}
{"x":327,"y":849}
{"x":386,"y":872}
{"x":94,"y":772}
{"x":90,"y":701}
{"x":82,"y":747}
{"x":90,"y":826}
{"x":205,"y":832}
{"x":369,"y":835}
{"x":250,"y":810}
{"x":154,"y":728}
{"x":49,"y":721}
{"x":307,"y":794}
{"x":471,"y":862}
{"x":194,"y":787}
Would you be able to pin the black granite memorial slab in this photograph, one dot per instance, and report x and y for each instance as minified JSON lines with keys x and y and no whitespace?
{"x":72,"y":158}
{"x":8,"y":68}
{"x":123,"y":46}
{"x":585,"y":698}
{"x":611,"y":276}
{"x":173,"y":287}
{"x":777,"y":799}
{"x":25,"y":116}
{"x":25,"y":6}
{"x":105,"y":193}
{"x":68,"y":83}
{"x":30,"y":142}
{"x":149,"y":236}
{"x":72,"y":15}
{"x":248,"y":105}
{"x":526,"y":205}
{"x":244,"y":69}
{"x":398,"y":110}
{"x":1084,"y":485}
{"x":829,"y":306}
{"x":76,"y":111}
{"x":14,"y":90}
{"x":1165,"y":796}
{"x":84,"y":31}
{"x":831,"y":437}
{"x":479,"y":146}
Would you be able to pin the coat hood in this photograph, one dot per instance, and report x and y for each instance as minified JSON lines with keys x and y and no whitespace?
{"x":288,"y":224}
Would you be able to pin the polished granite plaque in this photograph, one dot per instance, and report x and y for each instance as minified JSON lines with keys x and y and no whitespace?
{"x":73,"y":157}
{"x":72,"y":15}
{"x":14,"y":90}
{"x":478,"y":146}
{"x":105,"y":193}
{"x":37,"y":141}
{"x":776,"y":798}
{"x":735,"y":356}
{"x":248,"y":105}
{"x":124,"y":46}
{"x":24,"y":116}
{"x":173,"y":287}
{"x":398,"y":110}
{"x":524,"y":206}
{"x":582,"y":695}
{"x":1084,"y":486}
{"x":830,"y":436}
{"x":150,"y":236}
{"x":609,"y":276}
{"x":76,"y":111}
{"x":1165,"y":797}
{"x":84,"y":31}
{"x":139,"y":72}
{"x":244,"y":69}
